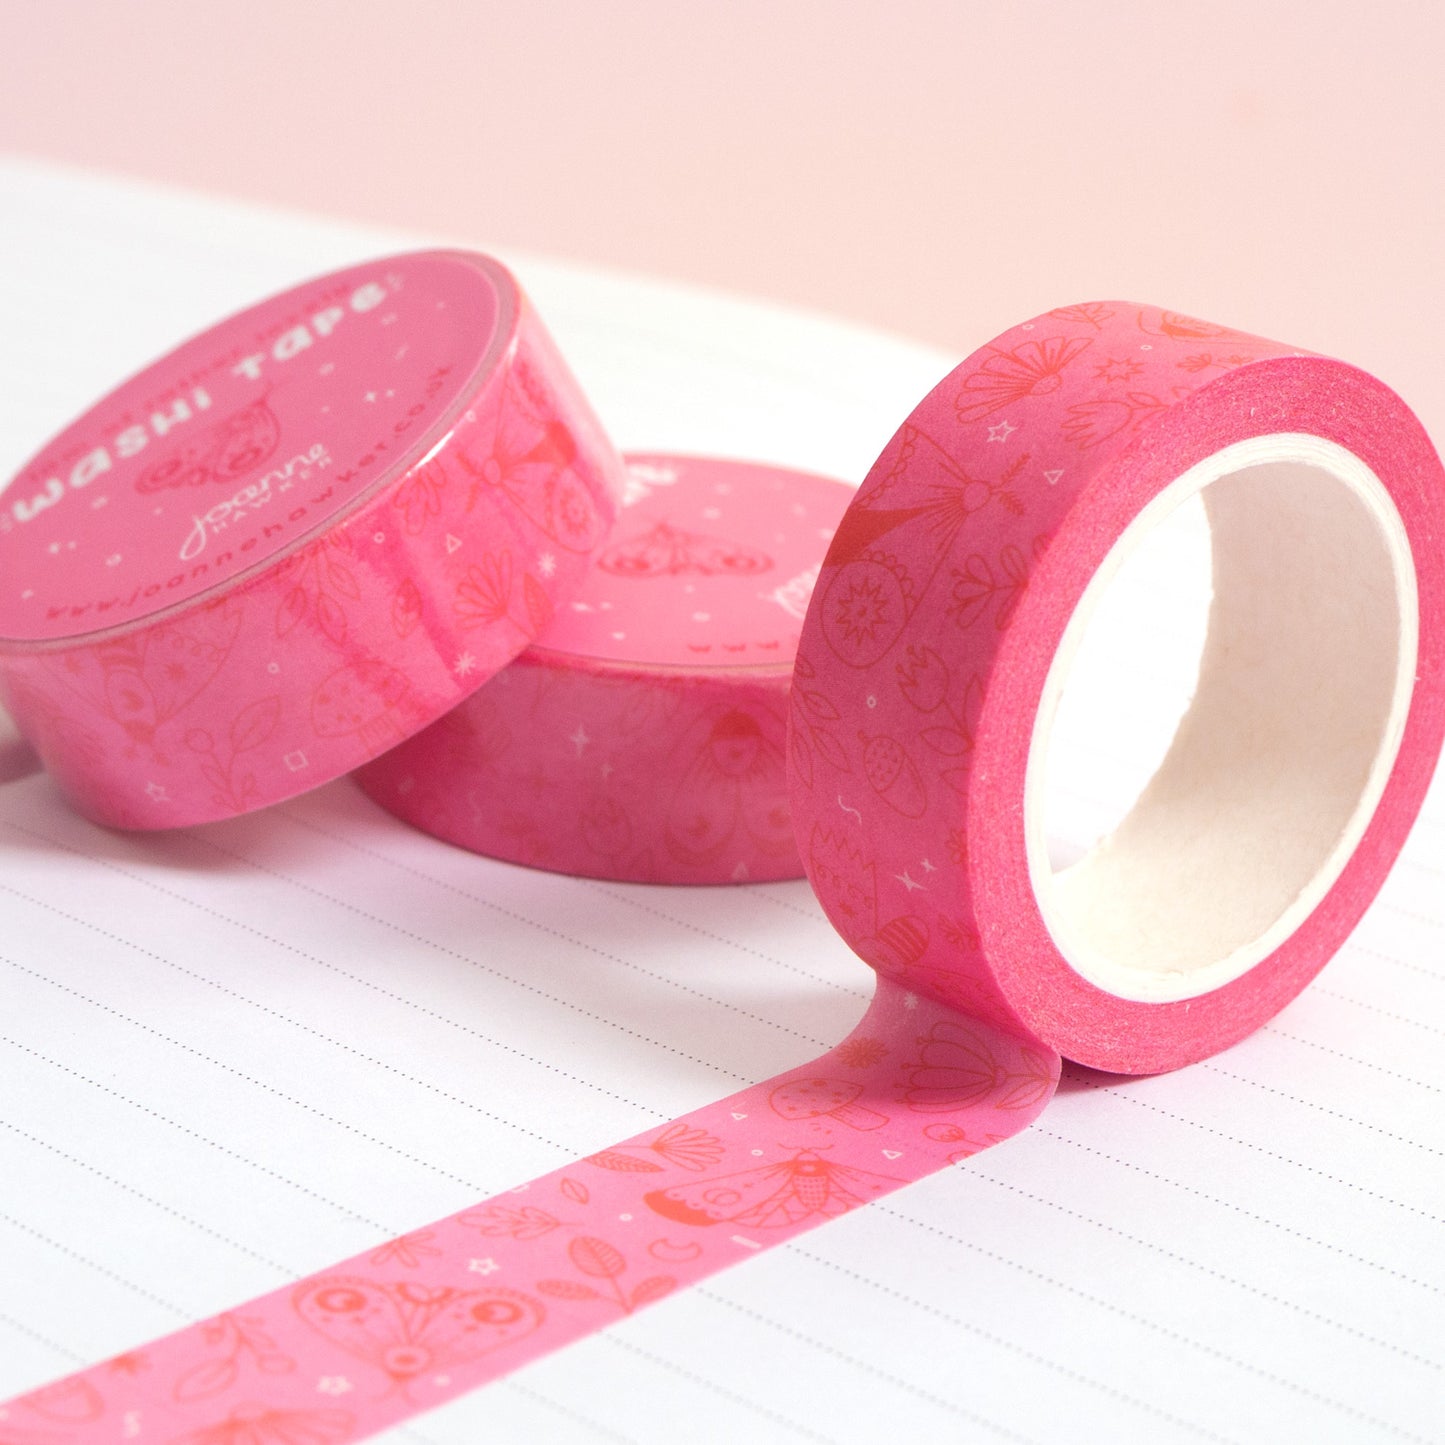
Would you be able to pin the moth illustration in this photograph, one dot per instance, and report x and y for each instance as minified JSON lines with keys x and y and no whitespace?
{"x":775,"y":1196}
{"x":407,"y":1329}
{"x":668,"y":551}
{"x":231,"y":448}
{"x":733,"y":784}
{"x":533,"y":461}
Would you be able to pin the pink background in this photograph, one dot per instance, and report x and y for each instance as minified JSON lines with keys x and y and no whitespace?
{"x":937,"y":168}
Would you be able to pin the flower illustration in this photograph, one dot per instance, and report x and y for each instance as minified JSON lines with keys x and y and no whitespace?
{"x":261,"y":1425}
{"x":485,"y":594}
{"x":923,"y":678}
{"x":419,"y":496}
{"x":1033,"y":369}
{"x":957,"y":1068}
{"x":1089,"y":423}
{"x":860,"y":1052}
{"x":406,"y":1250}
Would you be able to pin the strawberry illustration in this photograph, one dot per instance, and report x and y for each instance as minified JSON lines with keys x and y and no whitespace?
{"x":893,"y":775}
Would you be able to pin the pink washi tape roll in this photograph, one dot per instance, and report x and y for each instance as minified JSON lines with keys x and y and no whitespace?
{"x":936,"y":645}
{"x":945,"y":622}
{"x":296,"y":540}
{"x":643,"y":736}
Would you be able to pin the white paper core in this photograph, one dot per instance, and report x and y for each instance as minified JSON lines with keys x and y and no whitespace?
{"x":1283,"y":754}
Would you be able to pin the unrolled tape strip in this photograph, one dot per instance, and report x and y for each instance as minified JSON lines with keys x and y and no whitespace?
{"x":933,"y":653}
{"x":643,"y":736}
{"x":295,"y":540}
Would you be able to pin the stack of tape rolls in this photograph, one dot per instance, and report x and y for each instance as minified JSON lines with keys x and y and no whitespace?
{"x":934,"y":651}
{"x":295,"y":540}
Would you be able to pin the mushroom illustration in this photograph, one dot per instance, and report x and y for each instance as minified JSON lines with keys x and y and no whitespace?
{"x":816,"y":1098}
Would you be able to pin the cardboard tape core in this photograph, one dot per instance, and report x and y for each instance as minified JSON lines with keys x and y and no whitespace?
{"x":1278,"y":763}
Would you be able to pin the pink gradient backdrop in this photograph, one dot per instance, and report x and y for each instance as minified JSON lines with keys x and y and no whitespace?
{"x":937,"y":168}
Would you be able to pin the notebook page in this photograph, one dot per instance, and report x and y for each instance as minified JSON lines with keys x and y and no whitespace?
{"x":234,"y":1055}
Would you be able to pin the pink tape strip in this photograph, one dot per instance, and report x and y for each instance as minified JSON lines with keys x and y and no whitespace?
{"x":452,"y":1306}
{"x":297,"y":539}
{"x":938,"y":610}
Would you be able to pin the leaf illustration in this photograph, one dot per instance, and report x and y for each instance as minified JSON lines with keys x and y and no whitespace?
{"x":216,"y":776}
{"x":973,"y":590}
{"x":331,"y":618}
{"x":575,"y":1191}
{"x":596,"y":1257}
{"x":819,"y":706}
{"x":255,"y":723}
{"x":688,"y":1148}
{"x":832,"y":751}
{"x":291,"y":611}
{"x":341,"y":578}
{"x":1023,"y":1091}
{"x":497,"y":1219}
{"x":1092,"y":313}
{"x":652,"y":1289}
{"x":622,"y":1163}
{"x":406,"y":608}
{"x":951,"y":742}
{"x":567,"y":1289}
{"x":539,"y":605}
{"x":800,"y":755}
{"x":209,"y":1378}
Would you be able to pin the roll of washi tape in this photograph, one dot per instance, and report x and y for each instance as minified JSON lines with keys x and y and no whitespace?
{"x":296,"y":540}
{"x":935,"y":647}
{"x":643,"y":736}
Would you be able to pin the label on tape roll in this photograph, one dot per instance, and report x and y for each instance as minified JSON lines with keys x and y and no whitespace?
{"x":930,"y":663}
{"x":295,"y":540}
{"x":642,"y":738}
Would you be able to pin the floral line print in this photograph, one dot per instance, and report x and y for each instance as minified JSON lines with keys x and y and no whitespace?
{"x":678,"y":1144}
{"x":810,"y":716}
{"x":449,"y":1307}
{"x":321,"y":585}
{"x":250,"y":728}
{"x":1006,"y":378}
{"x":238,"y":1339}
{"x":928,"y":683}
{"x":258,"y":1425}
{"x":596,"y":1259}
{"x":485,"y":594}
{"x":979,"y":585}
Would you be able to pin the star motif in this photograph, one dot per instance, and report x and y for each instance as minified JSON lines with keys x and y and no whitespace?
{"x":908,"y":882}
{"x":607,"y":771}
{"x":910,"y":1000}
{"x":579,"y":739}
{"x":370,"y":396}
{"x":546,"y":564}
{"x":464,"y":665}
{"x":483,"y":1266}
{"x":929,"y":867}
{"x":389,"y":319}
{"x":334,"y":1385}
{"x":1116,"y":370}
{"x":113,"y":560}
{"x":156,"y":792}
{"x":1002,"y":432}
{"x":326,"y":369}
